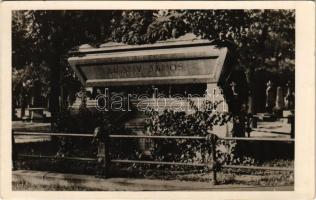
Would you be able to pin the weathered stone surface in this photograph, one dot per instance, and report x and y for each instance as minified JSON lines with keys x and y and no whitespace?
{"x":175,"y":62}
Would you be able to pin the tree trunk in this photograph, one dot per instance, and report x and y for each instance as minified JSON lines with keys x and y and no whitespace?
{"x":55,"y":89}
{"x":250,"y":79}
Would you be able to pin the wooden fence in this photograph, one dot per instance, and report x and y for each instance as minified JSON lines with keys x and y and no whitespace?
{"x":103,"y":158}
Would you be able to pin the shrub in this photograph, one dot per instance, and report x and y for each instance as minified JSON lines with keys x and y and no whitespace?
{"x":197,"y":123}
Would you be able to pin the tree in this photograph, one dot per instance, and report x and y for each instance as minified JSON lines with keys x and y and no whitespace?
{"x":264,"y":38}
{"x":47,"y":36}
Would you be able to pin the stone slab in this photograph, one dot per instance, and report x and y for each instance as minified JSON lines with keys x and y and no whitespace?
{"x":149,"y":64}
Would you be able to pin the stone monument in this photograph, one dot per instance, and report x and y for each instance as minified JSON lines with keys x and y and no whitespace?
{"x":279,"y":103}
{"x":270,"y":96}
{"x":289,"y":97}
{"x":178,"y":66}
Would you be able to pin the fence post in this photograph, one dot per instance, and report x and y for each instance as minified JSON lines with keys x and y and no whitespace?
{"x":215,"y":166}
{"x":292,"y":121}
{"x":103,"y":157}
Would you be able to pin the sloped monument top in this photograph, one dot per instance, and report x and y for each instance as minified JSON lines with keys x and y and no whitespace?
{"x":187,"y":59}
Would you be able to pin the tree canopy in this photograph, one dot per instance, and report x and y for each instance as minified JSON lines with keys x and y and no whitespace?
{"x":261,"y":36}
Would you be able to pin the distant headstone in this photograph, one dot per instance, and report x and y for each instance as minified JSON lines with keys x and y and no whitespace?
{"x":279,"y":103}
{"x":287,"y":113}
{"x":289,"y":98}
{"x":270,"y":97}
{"x":36,"y":113}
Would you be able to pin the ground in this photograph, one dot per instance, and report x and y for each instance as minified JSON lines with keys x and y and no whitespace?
{"x":37,"y":181}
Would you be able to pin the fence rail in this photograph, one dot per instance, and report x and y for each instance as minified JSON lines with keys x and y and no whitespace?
{"x":258,"y":168}
{"x":57,"y":157}
{"x":103,"y":151}
{"x":156,"y":137}
{"x":161,"y":163}
{"x":259,"y":139}
{"x":53,"y":134}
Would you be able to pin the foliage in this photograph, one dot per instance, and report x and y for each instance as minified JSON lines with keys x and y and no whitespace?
{"x":261,"y":36}
{"x":48,"y":33}
{"x":130,"y":26}
{"x":264,"y":38}
{"x":197,"y":123}
{"x":44,"y":37}
{"x":228,"y":152}
{"x":31,"y":80}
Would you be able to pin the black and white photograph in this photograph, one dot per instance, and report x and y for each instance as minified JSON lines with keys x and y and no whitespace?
{"x":153,"y":99}
{"x":164,"y":99}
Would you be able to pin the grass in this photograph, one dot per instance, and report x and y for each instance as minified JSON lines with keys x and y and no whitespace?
{"x":236,"y":177}
{"x":229,"y":176}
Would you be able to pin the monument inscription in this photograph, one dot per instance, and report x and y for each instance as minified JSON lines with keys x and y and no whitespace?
{"x":148,"y":69}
